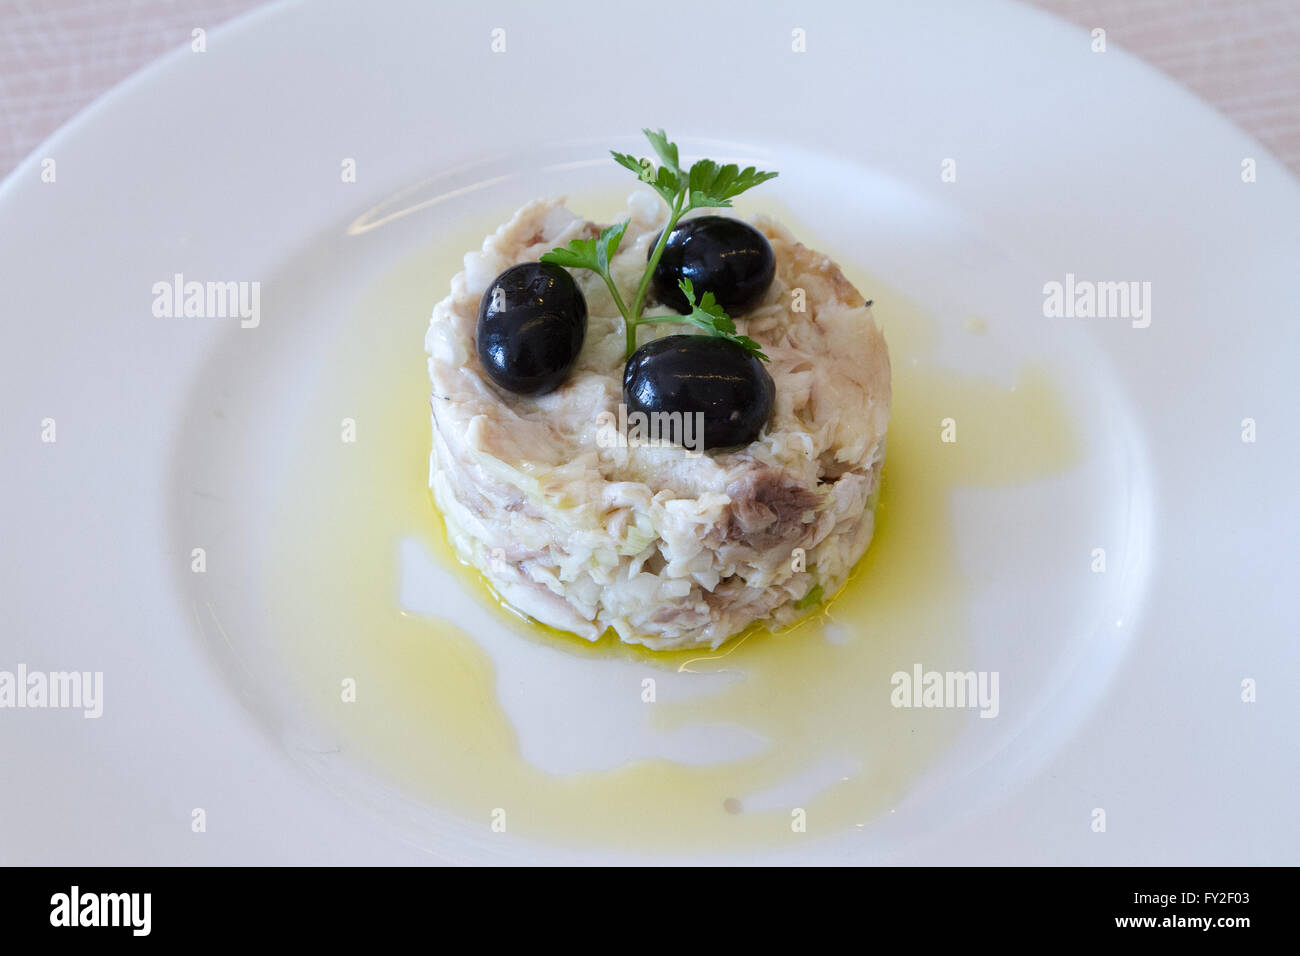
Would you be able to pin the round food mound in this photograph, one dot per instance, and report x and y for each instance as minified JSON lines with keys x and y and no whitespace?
{"x":671,"y":548}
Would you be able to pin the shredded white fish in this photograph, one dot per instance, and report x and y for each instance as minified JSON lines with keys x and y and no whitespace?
{"x":669,"y":549}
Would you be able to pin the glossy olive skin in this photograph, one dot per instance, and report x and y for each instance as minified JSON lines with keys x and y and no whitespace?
{"x":727,"y":257}
{"x":531,"y":324}
{"x":702,"y":373}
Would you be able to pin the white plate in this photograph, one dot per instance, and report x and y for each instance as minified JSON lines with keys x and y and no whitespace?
{"x":226,"y":165}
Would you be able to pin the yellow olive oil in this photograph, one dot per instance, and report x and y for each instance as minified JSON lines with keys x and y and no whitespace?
{"x":427,"y":716}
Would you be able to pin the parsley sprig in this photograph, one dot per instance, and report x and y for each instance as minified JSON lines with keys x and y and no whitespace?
{"x":704,"y":185}
{"x":710,"y":317}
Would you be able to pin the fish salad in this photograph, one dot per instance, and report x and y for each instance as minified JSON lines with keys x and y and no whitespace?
{"x":671,"y":427}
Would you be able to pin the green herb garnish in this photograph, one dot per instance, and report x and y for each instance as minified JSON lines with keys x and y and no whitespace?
{"x":710,"y":317}
{"x":811,"y":599}
{"x":705,"y":185}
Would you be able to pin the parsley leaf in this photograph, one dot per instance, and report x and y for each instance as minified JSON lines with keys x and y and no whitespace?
{"x":607,"y":244}
{"x":706,"y":185}
{"x":596,"y":254}
{"x":712,"y":318}
{"x":714,"y":185}
{"x":593,"y":254}
{"x":666,"y":151}
{"x":667,"y":182}
{"x":581,"y":254}
{"x":644,"y":169}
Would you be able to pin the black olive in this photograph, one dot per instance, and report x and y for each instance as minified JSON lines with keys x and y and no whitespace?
{"x":531,"y":324}
{"x":727,"y":257}
{"x":702,"y":373}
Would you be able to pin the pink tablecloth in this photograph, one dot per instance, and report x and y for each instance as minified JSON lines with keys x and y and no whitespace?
{"x":1243,"y":56}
